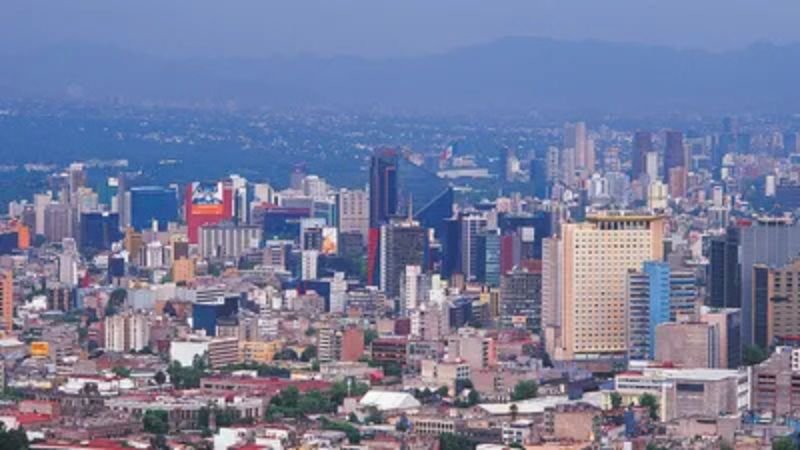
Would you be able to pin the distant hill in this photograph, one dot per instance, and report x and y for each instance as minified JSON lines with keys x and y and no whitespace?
{"x":508,"y":75}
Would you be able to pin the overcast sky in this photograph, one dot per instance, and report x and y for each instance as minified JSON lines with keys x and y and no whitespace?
{"x":385,"y":28}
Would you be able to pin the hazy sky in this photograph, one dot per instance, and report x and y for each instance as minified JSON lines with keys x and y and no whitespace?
{"x":381,"y":28}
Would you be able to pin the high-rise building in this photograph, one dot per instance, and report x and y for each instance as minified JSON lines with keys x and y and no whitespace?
{"x":642,"y":145}
{"x":353,"y":212}
{"x":575,"y":138}
{"x":153,"y":203}
{"x":648,"y":306}
{"x":127,"y":331}
{"x":551,"y":286}
{"x":402,"y":243}
{"x":383,"y":205}
{"x":40,"y":203}
{"x":773,"y":242}
{"x":597,"y":256}
{"x":383,"y":198}
{"x":207,"y":204}
{"x":729,"y":325}
{"x":777,"y":302}
{"x":723,"y":270}
{"x":674,"y":154}
{"x":57,"y":222}
{"x":99,"y":230}
{"x":226,"y":240}
{"x":472,"y":226}
{"x":521,"y":300}
{"x":309,"y":262}
{"x":7,"y":300}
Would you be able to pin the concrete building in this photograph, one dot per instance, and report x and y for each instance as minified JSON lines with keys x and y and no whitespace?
{"x":597,"y":256}
{"x":777,"y":295}
{"x":353,"y":210}
{"x":227,"y":240}
{"x":729,"y":325}
{"x":521,"y":300}
{"x":335,"y":344}
{"x":403,"y":243}
{"x":686,"y":392}
{"x":688,"y":344}
{"x":473,"y":347}
{"x":127,"y":331}
{"x":775,"y":383}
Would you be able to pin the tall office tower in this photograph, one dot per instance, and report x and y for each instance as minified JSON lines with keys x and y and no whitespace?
{"x":651,"y":166}
{"x":488,"y":269}
{"x":76,"y":177}
{"x":597,"y":255}
{"x":7,"y":300}
{"x":382,"y":187}
{"x":207,"y":204}
{"x":773,"y":242}
{"x":153,"y":203}
{"x":551,"y":287}
{"x":684,"y":299}
{"x":98,"y":230}
{"x":567,"y":163}
{"x":521,"y":300}
{"x":777,"y":303}
{"x":122,"y":198}
{"x":57,"y":222}
{"x":383,"y":203}
{"x":353,"y":211}
{"x":790,"y":143}
{"x":540,"y":184}
{"x":575,"y":138}
{"x":729,"y":325}
{"x":308,"y":264}
{"x":648,"y":299}
{"x":472,"y":226}
{"x":40,"y":202}
{"x":723,"y":270}
{"x":678,"y":179}
{"x":242,"y":196}
{"x":125,"y":332}
{"x":674,"y":154}
{"x":451,"y":248}
{"x":403,"y":243}
{"x":642,"y":145}
{"x":411,"y":288}
{"x":552,"y":163}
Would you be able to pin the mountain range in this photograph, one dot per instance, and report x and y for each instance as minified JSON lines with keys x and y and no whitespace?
{"x":508,"y":75}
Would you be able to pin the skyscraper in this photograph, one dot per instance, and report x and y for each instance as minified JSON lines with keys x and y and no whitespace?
{"x":149,"y":203}
{"x":472,"y":226}
{"x":723,"y":270}
{"x":521,"y":299}
{"x":648,"y":298}
{"x":642,"y":145}
{"x":383,"y":202}
{"x":597,"y":256}
{"x":403,"y":243}
{"x":99,"y":230}
{"x":7,"y":300}
{"x":207,"y":204}
{"x":382,"y":187}
{"x":770,"y":241}
{"x":674,"y":153}
{"x":353,"y":212}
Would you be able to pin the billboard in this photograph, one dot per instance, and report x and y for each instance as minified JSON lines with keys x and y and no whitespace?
{"x":207,"y":198}
{"x":330,"y":239}
{"x":40,"y":349}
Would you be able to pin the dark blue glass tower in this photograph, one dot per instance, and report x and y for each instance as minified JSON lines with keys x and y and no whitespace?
{"x":150,"y":203}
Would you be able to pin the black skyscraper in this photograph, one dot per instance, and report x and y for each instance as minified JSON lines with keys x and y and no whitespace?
{"x":642,"y":144}
{"x":723,"y":270}
{"x":674,"y":153}
{"x":382,"y":187}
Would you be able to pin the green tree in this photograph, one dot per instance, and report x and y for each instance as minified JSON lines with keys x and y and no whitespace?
{"x":155,"y":421}
{"x":650,"y":402}
{"x":524,"y":390}
{"x":160,"y":378}
{"x":616,"y":400}
{"x":353,"y":435}
{"x":450,"y":441}
{"x":753,"y":354}
{"x":784,"y":443}
{"x":122,"y":372}
{"x":15,"y":439}
{"x":369,"y":336}
{"x":309,"y":353}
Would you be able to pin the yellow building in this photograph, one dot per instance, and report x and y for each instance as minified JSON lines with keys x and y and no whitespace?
{"x":597,"y":255}
{"x":183,"y":270}
{"x":258,"y":352}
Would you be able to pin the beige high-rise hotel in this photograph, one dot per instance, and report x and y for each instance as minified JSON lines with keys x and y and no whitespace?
{"x":597,"y":254}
